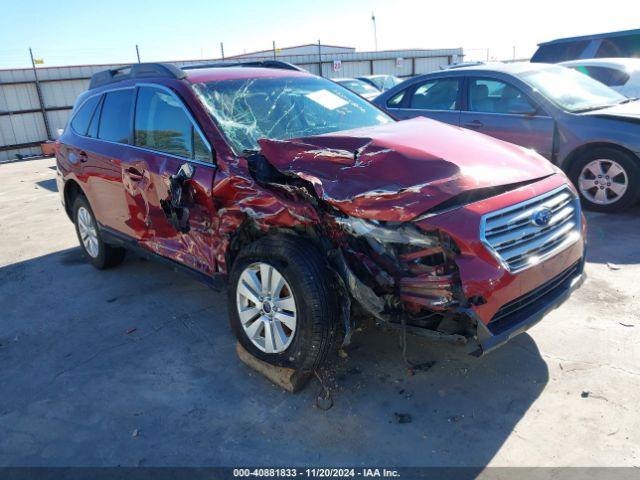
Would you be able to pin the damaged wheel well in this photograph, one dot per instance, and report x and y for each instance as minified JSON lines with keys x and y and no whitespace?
{"x":249,"y":232}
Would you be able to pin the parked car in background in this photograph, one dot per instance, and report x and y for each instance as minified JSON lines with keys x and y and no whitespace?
{"x":362,"y":88}
{"x":309,"y":200}
{"x":589,"y":130}
{"x":621,"y":74}
{"x":603,"y":45}
{"x":381,"y":82}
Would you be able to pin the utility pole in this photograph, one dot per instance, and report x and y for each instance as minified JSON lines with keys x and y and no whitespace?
{"x":375,"y":32}
{"x":138,"y":53}
{"x":222,"y":50}
{"x":319,"y":58}
{"x":40,"y":97}
{"x":274,"y":49}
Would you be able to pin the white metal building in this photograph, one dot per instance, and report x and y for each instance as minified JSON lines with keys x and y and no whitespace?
{"x":28,"y":118}
{"x":307,"y":49}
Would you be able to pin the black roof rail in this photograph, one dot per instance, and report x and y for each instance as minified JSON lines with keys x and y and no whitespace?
{"x":137,"y":70}
{"x":254,"y":64}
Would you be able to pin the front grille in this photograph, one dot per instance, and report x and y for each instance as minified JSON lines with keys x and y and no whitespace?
{"x":512,"y":235}
{"x":530,"y":302}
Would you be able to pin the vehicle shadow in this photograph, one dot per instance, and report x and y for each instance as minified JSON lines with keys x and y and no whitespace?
{"x":139,"y":362}
{"x":609,"y":237}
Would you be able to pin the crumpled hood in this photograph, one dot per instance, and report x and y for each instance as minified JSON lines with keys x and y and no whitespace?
{"x":397,"y":171}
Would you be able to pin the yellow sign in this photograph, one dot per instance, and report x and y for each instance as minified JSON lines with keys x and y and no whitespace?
{"x":38,"y":61}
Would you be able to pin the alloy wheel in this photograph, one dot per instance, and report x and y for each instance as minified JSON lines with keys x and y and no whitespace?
{"x":88,"y":232}
{"x":603,"y":181}
{"x":266,"y":307}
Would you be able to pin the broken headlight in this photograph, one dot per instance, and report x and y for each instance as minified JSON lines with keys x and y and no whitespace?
{"x":401,"y":234}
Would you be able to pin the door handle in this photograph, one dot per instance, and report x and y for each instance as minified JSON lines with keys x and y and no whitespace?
{"x":474,"y":125}
{"x":82,"y":156}
{"x":134,"y":173}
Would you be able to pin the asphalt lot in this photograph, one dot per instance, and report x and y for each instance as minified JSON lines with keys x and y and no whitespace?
{"x":137,"y":366}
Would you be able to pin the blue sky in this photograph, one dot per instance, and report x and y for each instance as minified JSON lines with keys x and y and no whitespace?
{"x":78,"y":32}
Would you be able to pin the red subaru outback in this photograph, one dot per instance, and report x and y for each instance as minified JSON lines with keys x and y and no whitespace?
{"x":317,"y":207}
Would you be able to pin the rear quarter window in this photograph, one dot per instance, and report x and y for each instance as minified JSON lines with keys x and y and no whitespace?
{"x":80,"y":121}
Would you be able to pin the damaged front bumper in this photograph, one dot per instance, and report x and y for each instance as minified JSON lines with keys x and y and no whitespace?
{"x":445,"y":282}
{"x":524,"y":312}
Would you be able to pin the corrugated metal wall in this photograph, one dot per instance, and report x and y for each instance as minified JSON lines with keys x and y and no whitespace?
{"x":22,"y":125}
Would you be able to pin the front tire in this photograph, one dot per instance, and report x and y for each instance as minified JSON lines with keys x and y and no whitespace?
{"x":282,"y":306}
{"x":99,"y":254}
{"x":608,"y":179}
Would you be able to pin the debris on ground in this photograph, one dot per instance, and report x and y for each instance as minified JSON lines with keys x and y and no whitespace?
{"x":135,"y":432}
{"x":131,"y":330}
{"x":405,"y":394}
{"x":613,"y":266}
{"x":111,"y":300}
{"x":420,"y":367}
{"x":455,"y":418}
{"x":343,"y":354}
{"x":626,"y":324}
{"x":402,"y":417}
{"x":587,"y":394}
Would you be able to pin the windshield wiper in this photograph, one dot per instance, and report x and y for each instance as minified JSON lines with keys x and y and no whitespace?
{"x":596,"y":107}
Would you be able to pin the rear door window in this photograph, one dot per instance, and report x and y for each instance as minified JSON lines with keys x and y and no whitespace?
{"x":81,"y":119}
{"x":162,"y":124}
{"x":438,"y":94}
{"x":115,"y":119}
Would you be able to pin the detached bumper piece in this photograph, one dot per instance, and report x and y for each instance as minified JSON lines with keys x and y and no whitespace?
{"x":522,"y":313}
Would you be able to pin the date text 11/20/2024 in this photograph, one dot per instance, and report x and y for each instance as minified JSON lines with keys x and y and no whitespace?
{"x":316,"y":473}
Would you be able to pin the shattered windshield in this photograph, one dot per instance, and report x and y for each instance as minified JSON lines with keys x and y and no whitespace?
{"x":282,"y":108}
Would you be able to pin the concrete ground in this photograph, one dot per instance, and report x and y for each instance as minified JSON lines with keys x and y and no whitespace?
{"x":136,"y":366}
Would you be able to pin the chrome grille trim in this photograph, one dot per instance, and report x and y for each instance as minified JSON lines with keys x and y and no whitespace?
{"x":512,"y":237}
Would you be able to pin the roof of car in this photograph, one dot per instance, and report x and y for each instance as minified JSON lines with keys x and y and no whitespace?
{"x":513,"y":68}
{"x":625,"y":63}
{"x":234,"y":73}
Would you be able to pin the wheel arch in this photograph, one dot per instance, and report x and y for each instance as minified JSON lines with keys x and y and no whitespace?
{"x":250,"y":232}
{"x":577,"y":152}
{"x":71,"y":190}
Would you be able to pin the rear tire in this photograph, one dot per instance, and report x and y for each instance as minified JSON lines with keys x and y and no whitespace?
{"x":607,"y":179}
{"x":100,"y":254}
{"x":304,"y":298}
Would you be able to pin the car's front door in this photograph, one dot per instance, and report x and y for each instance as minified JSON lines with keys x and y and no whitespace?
{"x":437,"y":98}
{"x":500,"y":109}
{"x":166,"y":137}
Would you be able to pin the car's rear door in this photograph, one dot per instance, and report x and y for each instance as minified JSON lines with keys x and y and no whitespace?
{"x":165,"y":137}
{"x":500,"y":109}
{"x":101,"y":151}
{"x":437,"y":98}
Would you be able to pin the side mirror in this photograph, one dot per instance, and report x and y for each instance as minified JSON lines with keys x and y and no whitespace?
{"x":186,"y":171}
{"x":177,"y":213}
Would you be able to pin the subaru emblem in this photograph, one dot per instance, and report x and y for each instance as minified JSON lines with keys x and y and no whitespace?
{"x":541,"y":217}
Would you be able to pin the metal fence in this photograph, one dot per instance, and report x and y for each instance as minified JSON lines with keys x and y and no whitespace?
{"x":33,"y":109}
